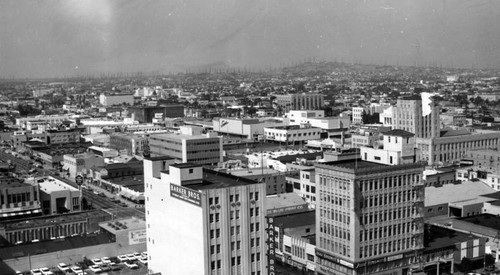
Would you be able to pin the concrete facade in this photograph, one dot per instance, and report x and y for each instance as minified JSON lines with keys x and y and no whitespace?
{"x":370,"y":217}
{"x":202,"y":149}
{"x":116,"y":99}
{"x":302,"y":101}
{"x":219,"y":221}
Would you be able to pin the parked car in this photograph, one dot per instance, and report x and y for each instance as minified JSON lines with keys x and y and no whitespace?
{"x":131,"y":257}
{"x":143,"y":260}
{"x":46,"y":271}
{"x":131,"y":265}
{"x":77,"y":270}
{"x":95,"y":268}
{"x":144,"y":254}
{"x":122,"y":258}
{"x":97,"y":262}
{"x":105,"y":260}
{"x":137,"y":255}
{"x":63,"y":267}
{"x":105,"y":268}
{"x":36,"y":272}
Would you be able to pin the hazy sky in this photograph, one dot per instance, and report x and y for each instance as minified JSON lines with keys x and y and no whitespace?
{"x":67,"y":37}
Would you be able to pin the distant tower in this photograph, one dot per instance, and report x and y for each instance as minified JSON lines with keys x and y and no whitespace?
{"x":418,"y":114}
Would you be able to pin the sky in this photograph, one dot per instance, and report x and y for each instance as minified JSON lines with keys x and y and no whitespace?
{"x":47,"y":38}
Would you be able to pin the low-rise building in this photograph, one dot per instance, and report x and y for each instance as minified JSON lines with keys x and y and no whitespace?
{"x":398,"y":147}
{"x":76,"y":164}
{"x":304,"y":185}
{"x":357,"y":115}
{"x":275,"y":180}
{"x":456,"y":200}
{"x":53,"y":227}
{"x":132,"y":144}
{"x":304,"y":101}
{"x":58,"y":197}
{"x":439,"y":176}
{"x":18,"y":199}
{"x":188,"y":147}
{"x":116,"y":99}
{"x":452,"y":145}
{"x":292,"y":134}
{"x":244,"y":128}
{"x":146,"y":114}
{"x":51,"y":120}
{"x":292,"y":231}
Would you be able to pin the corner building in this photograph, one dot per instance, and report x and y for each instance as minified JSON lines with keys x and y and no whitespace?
{"x":201,"y":221}
{"x":369,"y":217}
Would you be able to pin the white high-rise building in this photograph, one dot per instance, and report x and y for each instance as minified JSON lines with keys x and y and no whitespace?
{"x":200,"y":221}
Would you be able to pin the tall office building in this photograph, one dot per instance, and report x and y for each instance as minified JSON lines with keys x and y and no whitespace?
{"x":201,"y":221}
{"x":369,"y":217}
{"x":304,"y":101}
{"x":418,"y":115}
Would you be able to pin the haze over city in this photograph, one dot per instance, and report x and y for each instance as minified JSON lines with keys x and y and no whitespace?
{"x":68,"y":38}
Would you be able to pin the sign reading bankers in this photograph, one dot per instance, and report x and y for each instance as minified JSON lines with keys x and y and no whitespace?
{"x":185,"y":194}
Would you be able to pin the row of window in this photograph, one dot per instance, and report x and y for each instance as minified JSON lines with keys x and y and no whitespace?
{"x":335,"y":215}
{"x":386,"y":231}
{"x":387,"y":215}
{"x":202,"y":151}
{"x":467,"y":144}
{"x":15,"y":198}
{"x":254,"y":257}
{"x":387,"y":247}
{"x":388,"y":199}
{"x":388,"y":182}
{"x":334,"y":182}
{"x":335,"y":200}
{"x":336,"y":247}
{"x":202,"y":143}
{"x":291,"y":135}
{"x":335,"y":231}
{"x":160,"y":140}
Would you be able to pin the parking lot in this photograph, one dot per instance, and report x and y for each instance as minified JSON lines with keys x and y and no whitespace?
{"x":134,"y":263}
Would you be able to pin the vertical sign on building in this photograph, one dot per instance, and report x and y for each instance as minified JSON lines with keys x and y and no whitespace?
{"x":271,"y":242}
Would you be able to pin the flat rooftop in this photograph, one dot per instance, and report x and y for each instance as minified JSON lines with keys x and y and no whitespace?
{"x":54,"y":246}
{"x":135,"y":182}
{"x":253,"y":172}
{"x":440,"y":237}
{"x":47,"y":220}
{"x":64,"y":149}
{"x":358,"y":165}
{"x":180,"y":136}
{"x":283,"y":200}
{"x":123,"y":224}
{"x":294,"y":220}
{"x":49,"y":185}
{"x":290,"y":127}
{"x":158,"y":158}
{"x":185,"y":165}
{"x":486,"y":220}
{"x":450,"y":193}
{"x":214,"y":180}
{"x":11,"y":182}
